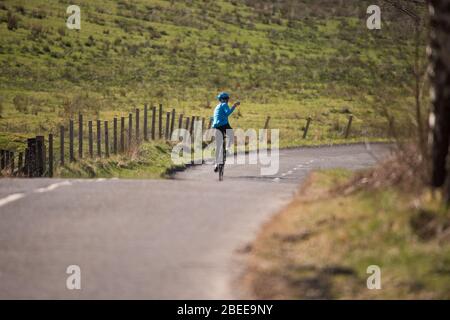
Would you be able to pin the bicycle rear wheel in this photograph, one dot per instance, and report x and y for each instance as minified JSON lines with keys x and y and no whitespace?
{"x":224,"y":156}
{"x":221,"y":168}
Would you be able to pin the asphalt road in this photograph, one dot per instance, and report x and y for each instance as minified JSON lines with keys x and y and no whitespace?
{"x":147,"y":239}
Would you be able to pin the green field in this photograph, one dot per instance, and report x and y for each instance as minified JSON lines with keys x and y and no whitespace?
{"x":287,"y":60}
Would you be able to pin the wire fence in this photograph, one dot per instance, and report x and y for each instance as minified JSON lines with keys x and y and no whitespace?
{"x":96,"y":139}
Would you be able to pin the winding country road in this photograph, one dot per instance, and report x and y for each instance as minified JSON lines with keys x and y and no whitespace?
{"x":147,"y":239}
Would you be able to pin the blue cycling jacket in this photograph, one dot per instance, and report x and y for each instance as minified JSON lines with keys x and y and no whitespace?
{"x":221,"y":114}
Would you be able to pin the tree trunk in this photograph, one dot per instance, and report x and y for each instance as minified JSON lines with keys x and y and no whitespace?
{"x":440,"y":81}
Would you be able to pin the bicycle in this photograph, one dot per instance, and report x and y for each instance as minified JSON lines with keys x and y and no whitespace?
{"x":221,"y":162}
{"x":222,"y":165}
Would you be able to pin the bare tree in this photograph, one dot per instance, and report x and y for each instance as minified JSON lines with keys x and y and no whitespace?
{"x":439,"y":76}
{"x":439,"y":73}
{"x":414,"y":9}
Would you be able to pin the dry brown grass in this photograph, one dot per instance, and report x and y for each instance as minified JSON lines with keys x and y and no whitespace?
{"x":405,"y":170}
{"x":321,"y":244}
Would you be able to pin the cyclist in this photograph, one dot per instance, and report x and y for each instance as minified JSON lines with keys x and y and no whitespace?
{"x":220,"y":122}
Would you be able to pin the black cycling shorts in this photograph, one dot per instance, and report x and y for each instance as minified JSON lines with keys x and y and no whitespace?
{"x":224,"y":128}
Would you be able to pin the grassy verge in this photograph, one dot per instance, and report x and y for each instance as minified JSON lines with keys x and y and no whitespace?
{"x":321,"y":245}
{"x":151,"y":160}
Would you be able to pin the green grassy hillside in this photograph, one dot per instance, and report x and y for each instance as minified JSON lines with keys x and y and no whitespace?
{"x":290,"y":60}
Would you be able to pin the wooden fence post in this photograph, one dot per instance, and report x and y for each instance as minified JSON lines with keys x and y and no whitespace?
{"x":137,"y":126}
{"x":191,"y":128}
{"x":90,"y":139}
{"x":180,"y":121}
{"x":40,"y":156}
{"x":6,"y":160}
{"x":349,"y":125}
{"x":61,"y":145}
{"x":71,"y":152}
{"x":130,"y":129}
{"x":210,"y":123}
{"x":172,"y":123}
{"x":20,"y":164}
{"x":153,"y":122}
{"x":26,"y":167}
{"x":187,"y":127}
{"x":145,"y":122}
{"x":11,"y":160}
{"x":160,"y":121}
{"x":203,"y":124}
{"x":80,"y":136}
{"x":2,"y":159}
{"x":308,"y":122}
{"x":122,"y":134}
{"x":31,"y":159}
{"x":167,"y":132}
{"x":26,"y":162}
{"x":50,"y":155}
{"x":106,"y":139}
{"x":44,"y":157}
{"x":266,"y":125}
{"x":99,"y":139}
{"x":115,"y":135}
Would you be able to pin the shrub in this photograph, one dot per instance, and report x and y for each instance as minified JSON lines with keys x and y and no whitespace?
{"x":90,"y":41}
{"x":133,"y":49}
{"x":38,"y":14}
{"x":21,"y":102}
{"x":36,"y":49}
{"x":37,"y":31}
{"x":66,"y":43}
{"x":35,"y":109}
{"x":79,"y":103}
{"x":62,"y":31}
{"x":1,"y":106}
{"x":20,"y":9}
{"x":126,"y":5}
{"x":56,"y":55}
{"x":12,"y":20}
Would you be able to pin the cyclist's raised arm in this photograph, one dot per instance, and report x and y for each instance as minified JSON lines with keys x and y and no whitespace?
{"x":228,"y":110}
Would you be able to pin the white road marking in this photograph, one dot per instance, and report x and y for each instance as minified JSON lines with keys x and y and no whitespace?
{"x":276,"y":180}
{"x":11,"y":198}
{"x":289,"y":172}
{"x":53,"y":186}
{"x":100,"y":180}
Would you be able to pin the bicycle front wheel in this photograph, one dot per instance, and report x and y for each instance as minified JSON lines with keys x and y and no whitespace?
{"x":221,"y":167}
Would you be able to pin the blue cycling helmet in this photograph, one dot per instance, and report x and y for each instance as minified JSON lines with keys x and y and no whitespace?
{"x":223,"y":96}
